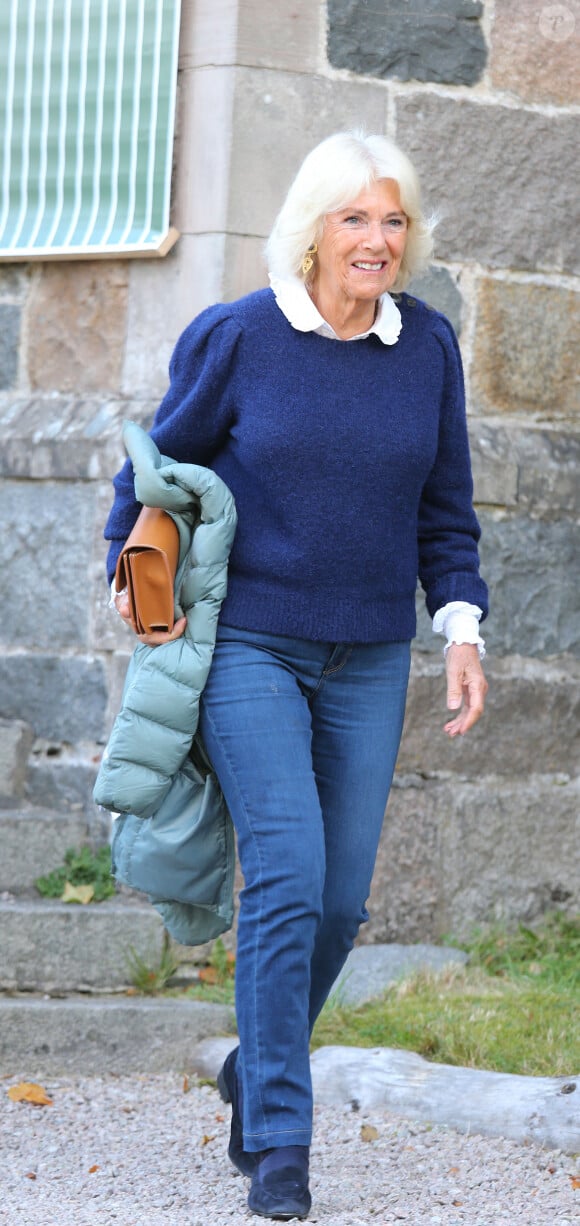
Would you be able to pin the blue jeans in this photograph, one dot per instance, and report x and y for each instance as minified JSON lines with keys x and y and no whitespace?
{"x":304,"y":737}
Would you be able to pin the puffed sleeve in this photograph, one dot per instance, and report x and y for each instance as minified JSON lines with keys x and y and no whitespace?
{"x":448,"y":530}
{"x":194,"y":417}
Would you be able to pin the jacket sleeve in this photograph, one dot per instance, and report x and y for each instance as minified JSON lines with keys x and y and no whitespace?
{"x":448,"y":530}
{"x":194,"y":416}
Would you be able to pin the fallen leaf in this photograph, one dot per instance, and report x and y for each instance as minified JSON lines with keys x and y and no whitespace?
{"x":457,"y":1202}
{"x":30,"y":1175}
{"x":368,"y":1133}
{"x":77,"y":893}
{"x":29,"y":1092}
{"x":94,"y":1168}
{"x":205,"y":1140}
{"x":453,"y":1170}
{"x":208,"y":974}
{"x":575,"y":1181}
{"x":219,"y":1118}
{"x":186,"y":1085}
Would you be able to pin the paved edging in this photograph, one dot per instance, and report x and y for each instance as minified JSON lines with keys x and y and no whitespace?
{"x":97,"y":1035}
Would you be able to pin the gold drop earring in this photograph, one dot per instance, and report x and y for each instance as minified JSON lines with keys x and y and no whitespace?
{"x":308,"y":262}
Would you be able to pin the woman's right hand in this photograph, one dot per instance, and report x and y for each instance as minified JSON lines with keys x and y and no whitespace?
{"x":121,"y":602}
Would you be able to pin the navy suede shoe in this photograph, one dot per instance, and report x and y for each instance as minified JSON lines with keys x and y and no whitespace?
{"x":230,"y":1092}
{"x":280,"y":1184}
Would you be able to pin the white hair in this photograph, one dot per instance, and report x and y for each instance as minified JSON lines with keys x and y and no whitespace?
{"x":332,"y":175}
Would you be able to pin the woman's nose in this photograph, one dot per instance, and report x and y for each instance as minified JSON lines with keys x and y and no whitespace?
{"x":374,"y":236}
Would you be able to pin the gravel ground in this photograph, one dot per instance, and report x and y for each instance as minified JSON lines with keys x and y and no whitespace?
{"x":150,"y":1151}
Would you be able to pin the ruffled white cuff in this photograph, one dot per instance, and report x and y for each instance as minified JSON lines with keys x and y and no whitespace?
{"x":459,"y":622}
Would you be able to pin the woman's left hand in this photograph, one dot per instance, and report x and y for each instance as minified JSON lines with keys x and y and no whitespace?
{"x":466,"y":687}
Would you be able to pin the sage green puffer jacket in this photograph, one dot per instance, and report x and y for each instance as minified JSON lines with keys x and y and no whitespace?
{"x":173,"y":838}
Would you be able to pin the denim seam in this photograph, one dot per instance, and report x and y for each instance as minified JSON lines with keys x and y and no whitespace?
{"x":257,"y":945}
{"x":330,"y":672}
{"x":336,"y":668}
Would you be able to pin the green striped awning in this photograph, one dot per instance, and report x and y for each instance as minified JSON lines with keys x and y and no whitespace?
{"x":87,"y":105}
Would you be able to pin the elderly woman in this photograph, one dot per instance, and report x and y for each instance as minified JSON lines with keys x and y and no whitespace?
{"x":334,"y":411}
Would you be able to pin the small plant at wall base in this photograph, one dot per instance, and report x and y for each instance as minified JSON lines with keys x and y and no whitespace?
{"x":221,"y":967}
{"x":84,"y":877}
{"x":150,"y":976}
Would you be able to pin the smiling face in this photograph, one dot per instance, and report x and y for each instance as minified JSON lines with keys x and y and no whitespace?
{"x":362,"y":245}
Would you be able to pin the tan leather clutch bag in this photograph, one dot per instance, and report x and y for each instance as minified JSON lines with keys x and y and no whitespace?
{"x":146,"y":567}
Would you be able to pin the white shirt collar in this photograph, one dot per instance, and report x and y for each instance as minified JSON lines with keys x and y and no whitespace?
{"x":297,"y":305}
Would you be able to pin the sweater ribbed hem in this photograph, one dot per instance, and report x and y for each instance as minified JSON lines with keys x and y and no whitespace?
{"x":303,"y":615}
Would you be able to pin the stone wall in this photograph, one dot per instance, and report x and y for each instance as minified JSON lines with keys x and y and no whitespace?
{"x":482,"y":97}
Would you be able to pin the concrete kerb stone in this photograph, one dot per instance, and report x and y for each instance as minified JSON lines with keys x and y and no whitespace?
{"x":545,"y":1110}
{"x":93,"y":1036}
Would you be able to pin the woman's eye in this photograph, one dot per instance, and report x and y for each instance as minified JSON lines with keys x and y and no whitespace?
{"x":352,"y":220}
{"x":395,"y":223}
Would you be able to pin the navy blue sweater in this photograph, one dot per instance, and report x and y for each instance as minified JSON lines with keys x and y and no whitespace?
{"x":348,"y":462}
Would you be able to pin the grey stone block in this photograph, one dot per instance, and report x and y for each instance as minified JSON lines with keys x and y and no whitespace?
{"x":510,"y":851}
{"x":494,"y":464}
{"x":15,"y":744}
{"x":531,"y":467}
{"x":548,"y":462}
{"x":287,"y":114}
{"x":455,"y":854}
{"x":62,"y":698}
{"x":500,"y":167}
{"x":437,"y":287}
{"x":414,"y":40}
{"x":67,"y":947}
{"x":531,"y":721}
{"x":61,"y":779}
{"x":407,"y":890}
{"x":65,"y":437}
{"x":34,"y":842}
{"x":92,"y":1037}
{"x":530,"y":566}
{"x":10,"y":318}
{"x":44,"y":558}
{"x":370,"y":969}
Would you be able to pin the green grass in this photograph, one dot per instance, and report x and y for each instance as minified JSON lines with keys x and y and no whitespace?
{"x":515,"y":1008}
{"x":81,"y":867}
{"x":464,"y":1017}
